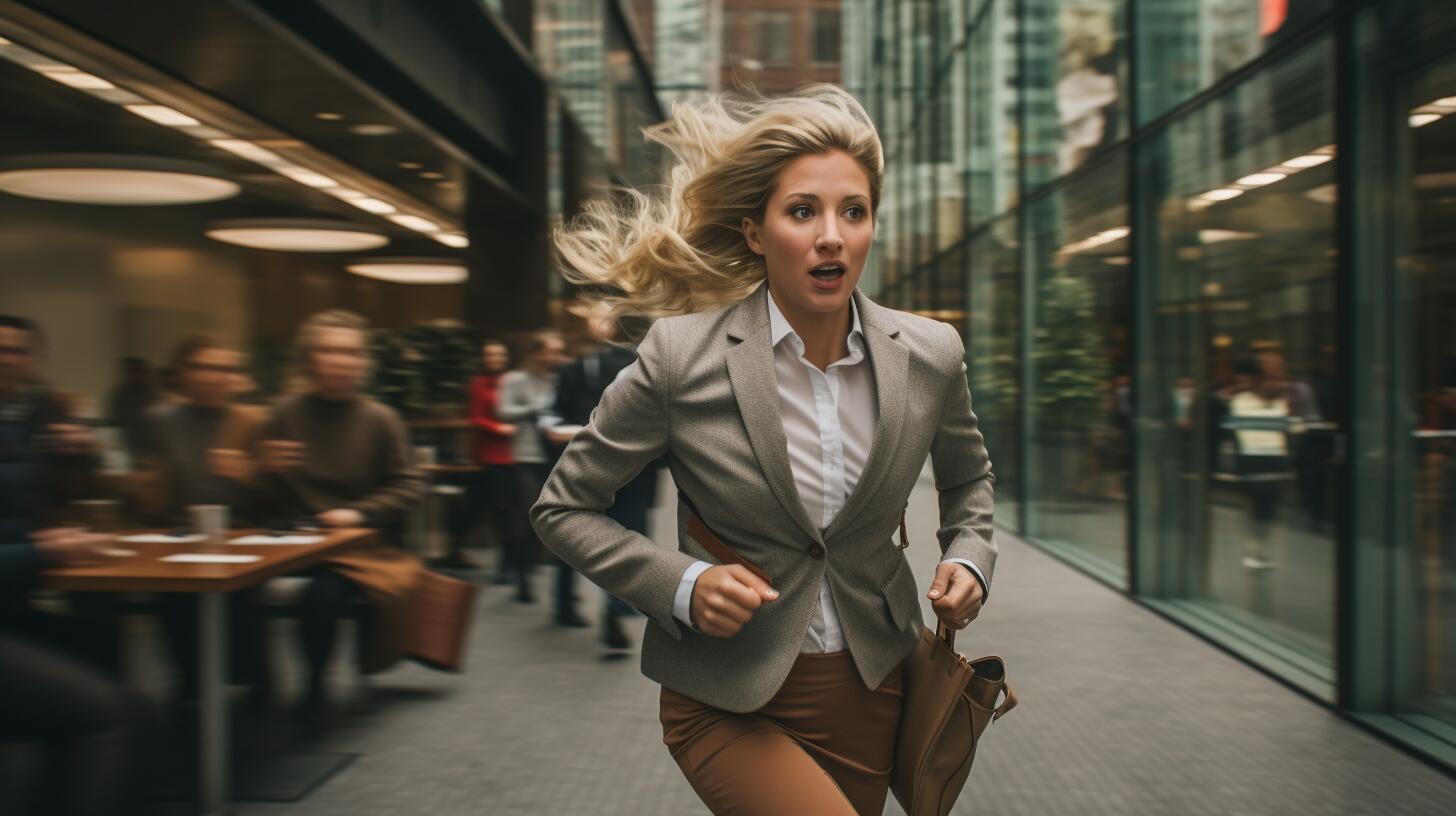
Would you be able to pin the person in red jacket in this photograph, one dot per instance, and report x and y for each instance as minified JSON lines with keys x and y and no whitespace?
{"x":494,"y":485}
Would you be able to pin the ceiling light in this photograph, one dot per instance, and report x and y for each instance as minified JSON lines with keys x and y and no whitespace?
{"x":410,"y":165}
{"x":452,"y":239}
{"x":1261,"y":179}
{"x":296,"y":235}
{"x":308,"y":178}
{"x":373,"y":130}
{"x":4,"y":41}
{"x":328,"y":116}
{"x":344,"y":193}
{"x":372,"y":205}
{"x":1117,"y":260}
{"x":163,"y":115}
{"x":411,"y":270}
{"x":1115,"y":234}
{"x":432,"y":175}
{"x":80,"y":80}
{"x":415,"y":223}
{"x":1326,"y":194}
{"x":1423,"y":119}
{"x":248,"y":150}
{"x":1308,"y":160}
{"x":113,"y":179}
{"x":1222,"y":194}
{"x":1218,"y":236}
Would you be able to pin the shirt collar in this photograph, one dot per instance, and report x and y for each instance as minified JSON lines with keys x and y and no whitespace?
{"x":779,"y":328}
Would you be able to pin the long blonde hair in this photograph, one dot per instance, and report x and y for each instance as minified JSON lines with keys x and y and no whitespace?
{"x":682,"y":249}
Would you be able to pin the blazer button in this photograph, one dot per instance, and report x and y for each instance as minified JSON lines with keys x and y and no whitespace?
{"x":816,"y":551}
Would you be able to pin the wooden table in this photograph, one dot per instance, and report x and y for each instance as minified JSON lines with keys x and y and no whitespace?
{"x":146,"y":572}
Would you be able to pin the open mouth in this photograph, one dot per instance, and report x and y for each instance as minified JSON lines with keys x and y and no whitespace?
{"x":827,"y":272}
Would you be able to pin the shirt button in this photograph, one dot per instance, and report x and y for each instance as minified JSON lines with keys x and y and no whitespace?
{"x":816,"y":551}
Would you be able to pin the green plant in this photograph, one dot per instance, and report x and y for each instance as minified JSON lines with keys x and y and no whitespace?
{"x":1071,"y":368}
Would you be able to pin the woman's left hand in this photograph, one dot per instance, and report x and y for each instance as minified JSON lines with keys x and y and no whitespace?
{"x":955,"y":595}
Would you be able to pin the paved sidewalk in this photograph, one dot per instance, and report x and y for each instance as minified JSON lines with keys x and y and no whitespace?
{"x":1121,"y":713}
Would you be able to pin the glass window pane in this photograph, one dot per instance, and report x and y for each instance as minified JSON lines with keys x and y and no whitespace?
{"x":772,"y":35}
{"x":1240,"y":357}
{"x":992,"y":156}
{"x":827,"y":35}
{"x":1080,"y":365}
{"x":1185,"y":46}
{"x":993,"y":359}
{"x":1075,"y":88}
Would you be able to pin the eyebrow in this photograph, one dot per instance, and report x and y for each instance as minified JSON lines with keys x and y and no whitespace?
{"x":812,"y":197}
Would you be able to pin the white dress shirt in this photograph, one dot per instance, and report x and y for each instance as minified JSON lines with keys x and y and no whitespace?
{"x":829,"y":422}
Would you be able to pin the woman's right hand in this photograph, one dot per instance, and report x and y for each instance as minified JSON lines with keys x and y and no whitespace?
{"x":725,"y":598}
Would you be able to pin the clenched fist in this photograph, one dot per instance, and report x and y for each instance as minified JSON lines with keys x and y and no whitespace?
{"x":725,"y":598}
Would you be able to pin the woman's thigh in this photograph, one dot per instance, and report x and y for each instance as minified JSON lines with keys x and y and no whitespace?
{"x":745,"y":765}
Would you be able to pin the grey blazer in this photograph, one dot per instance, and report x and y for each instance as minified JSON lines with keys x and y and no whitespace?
{"x":703,"y":391}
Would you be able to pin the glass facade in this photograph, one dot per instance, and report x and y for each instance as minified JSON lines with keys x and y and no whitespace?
{"x":1197,"y":252}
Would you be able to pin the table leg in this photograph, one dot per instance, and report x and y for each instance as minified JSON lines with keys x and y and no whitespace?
{"x":212,"y":634}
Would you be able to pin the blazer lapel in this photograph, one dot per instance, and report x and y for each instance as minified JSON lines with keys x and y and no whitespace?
{"x":755,"y":387}
{"x":890,"y":362}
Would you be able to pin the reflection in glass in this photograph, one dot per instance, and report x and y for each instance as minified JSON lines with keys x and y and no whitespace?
{"x":1184,"y":46}
{"x":1076,"y":76}
{"x":1080,"y":391}
{"x":993,"y":156}
{"x":993,"y":336}
{"x":1427,"y":267}
{"x":1239,"y":356}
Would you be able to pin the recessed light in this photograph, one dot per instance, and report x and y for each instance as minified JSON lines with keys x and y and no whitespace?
{"x":344,"y":193}
{"x":410,"y":165}
{"x":430,"y":174}
{"x":328,"y":116}
{"x":1423,"y":119}
{"x":1222,"y":194}
{"x":163,"y":115}
{"x":447,"y":185}
{"x":1261,"y":179}
{"x":1308,"y":160}
{"x":114,"y":180}
{"x":249,"y":151}
{"x":296,"y":235}
{"x":415,"y":223}
{"x":372,"y":205}
{"x":411,"y":270}
{"x":452,"y":239}
{"x":80,"y":80}
{"x":4,"y":41}
{"x":373,"y":130}
{"x":306,"y":177}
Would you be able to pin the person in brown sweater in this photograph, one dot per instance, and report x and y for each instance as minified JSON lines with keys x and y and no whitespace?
{"x":339,"y":459}
{"x":194,"y":452}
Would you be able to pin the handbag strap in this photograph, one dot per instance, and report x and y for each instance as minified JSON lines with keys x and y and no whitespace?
{"x":714,"y":545}
{"x":1006,"y":705}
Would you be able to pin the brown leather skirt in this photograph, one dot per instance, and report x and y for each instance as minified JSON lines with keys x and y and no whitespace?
{"x":823,"y":746}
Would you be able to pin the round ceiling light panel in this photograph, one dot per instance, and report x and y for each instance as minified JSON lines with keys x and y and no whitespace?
{"x":296,"y":235}
{"x":114,"y":179}
{"x":435,"y":271}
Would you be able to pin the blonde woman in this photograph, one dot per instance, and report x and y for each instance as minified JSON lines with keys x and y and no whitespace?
{"x":795,"y":414}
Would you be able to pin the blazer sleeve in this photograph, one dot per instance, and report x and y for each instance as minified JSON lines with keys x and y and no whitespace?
{"x":628,"y":430}
{"x":963,"y":477}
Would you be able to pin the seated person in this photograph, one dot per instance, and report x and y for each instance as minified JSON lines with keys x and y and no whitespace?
{"x":340,"y":460}
{"x":195,"y":453}
{"x":89,"y":727}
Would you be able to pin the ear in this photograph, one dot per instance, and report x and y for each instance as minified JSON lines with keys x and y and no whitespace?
{"x":750,"y":234}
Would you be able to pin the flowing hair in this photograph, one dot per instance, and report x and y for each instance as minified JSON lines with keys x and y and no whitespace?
{"x":681,"y":249}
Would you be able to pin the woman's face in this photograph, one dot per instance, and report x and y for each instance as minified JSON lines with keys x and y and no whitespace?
{"x":496,"y":358}
{"x":816,"y":232}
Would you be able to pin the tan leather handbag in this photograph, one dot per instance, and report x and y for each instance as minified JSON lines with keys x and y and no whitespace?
{"x":948,"y":703}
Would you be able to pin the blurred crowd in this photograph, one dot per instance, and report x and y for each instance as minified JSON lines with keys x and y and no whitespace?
{"x":325,"y":456}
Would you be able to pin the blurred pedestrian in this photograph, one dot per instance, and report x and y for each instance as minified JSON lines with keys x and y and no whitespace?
{"x":493,"y":487}
{"x":525,"y":394}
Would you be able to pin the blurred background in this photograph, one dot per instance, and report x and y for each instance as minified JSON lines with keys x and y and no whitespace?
{"x":1200,"y":253}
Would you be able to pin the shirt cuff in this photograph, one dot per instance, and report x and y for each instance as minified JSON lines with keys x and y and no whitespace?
{"x":976,"y":571}
{"x":682,"y":604}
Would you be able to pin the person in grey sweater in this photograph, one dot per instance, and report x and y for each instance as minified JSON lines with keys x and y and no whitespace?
{"x":526,"y":394}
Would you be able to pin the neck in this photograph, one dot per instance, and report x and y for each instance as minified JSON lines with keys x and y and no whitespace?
{"x":825,"y":334}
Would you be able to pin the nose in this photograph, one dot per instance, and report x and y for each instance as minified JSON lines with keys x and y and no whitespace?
{"x":829,"y":241}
